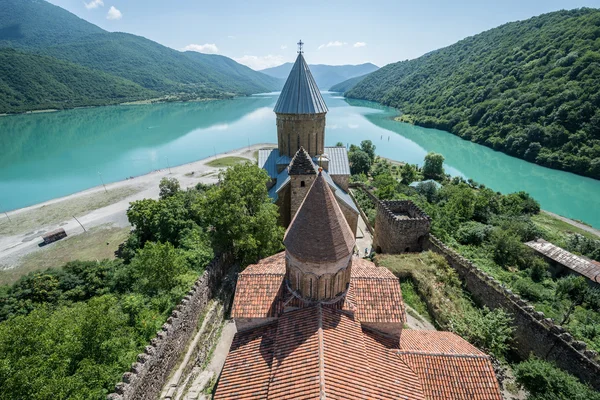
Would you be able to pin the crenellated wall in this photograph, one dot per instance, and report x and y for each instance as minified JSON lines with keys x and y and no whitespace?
{"x":149,"y":374}
{"x":395,"y":235}
{"x":533,"y":332}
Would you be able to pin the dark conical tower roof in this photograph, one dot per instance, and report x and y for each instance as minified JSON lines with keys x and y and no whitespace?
{"x":300,"y":94}
{"x":301,"y":164}
{"x":319,"y":232}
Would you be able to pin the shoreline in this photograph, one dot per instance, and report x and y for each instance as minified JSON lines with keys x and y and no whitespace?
{"x":94,"y":207}
{"x":126,"y":181}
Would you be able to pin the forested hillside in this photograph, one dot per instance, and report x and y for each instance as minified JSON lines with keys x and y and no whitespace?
{"x":530,"y":89}
{"x":326,"y":76}
{"x":38,"y":27}
{"x":29,"y":82}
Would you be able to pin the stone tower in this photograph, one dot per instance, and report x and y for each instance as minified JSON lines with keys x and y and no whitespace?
{"x":300,"y":112}
{"x":400,"y":227}
{"x":302,"y":175}
{"x":319,"y":245}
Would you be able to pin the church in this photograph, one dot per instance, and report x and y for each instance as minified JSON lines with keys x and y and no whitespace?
{"x":316,"y":321}
{"x":292,"y":166}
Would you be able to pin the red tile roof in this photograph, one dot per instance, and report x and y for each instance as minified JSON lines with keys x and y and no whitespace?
{"x":374,"y":293}
{"x":247,"y":370}
{"x":317,"y":350}
{"x":448,"y":366}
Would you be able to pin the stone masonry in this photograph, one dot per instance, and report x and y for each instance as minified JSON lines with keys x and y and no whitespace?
{"x":533,"y":332}
{"x":400,"y":227}
{"x":301,"y":130}
{"x":149,"y":374}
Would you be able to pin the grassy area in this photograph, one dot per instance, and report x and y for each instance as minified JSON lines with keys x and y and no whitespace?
{"x":32,"y":220}
{"x":557,"y":228}
{"x":412,"y":298}
{"x":226,"y":162}
{"x":97,"y":243}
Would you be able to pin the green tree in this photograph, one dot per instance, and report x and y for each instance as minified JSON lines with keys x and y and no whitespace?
{"x":409,"y":174}
{"x":433,"y":168}
{"x":339,"y":144}
{"x":168,"y":187}
{"x":368,"y":147}
{"x":488,"y":329}
{"x":573,"y":289}
{"x":386,"y":186}
{"x":243,"y":218}
{"x":158,"y":267}
{"x":360,"y":163}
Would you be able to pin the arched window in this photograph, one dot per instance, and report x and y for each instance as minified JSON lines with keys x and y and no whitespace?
{"x":298,"y":142}
{"x":302,"y":184}
{"x":310,"y":294}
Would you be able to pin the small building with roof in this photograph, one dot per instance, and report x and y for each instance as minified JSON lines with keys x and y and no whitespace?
{"x":564,"y":261}
{"x":317,"y":322}
{"x":300,"y":112}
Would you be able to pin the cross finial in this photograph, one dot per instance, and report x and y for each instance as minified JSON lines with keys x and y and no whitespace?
{"x":300,"y":44}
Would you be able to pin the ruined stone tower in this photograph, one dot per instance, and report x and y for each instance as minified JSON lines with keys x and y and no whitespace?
{"x":300,"y":112}
{"x":319,"y":246}
{"x":400,"y":227}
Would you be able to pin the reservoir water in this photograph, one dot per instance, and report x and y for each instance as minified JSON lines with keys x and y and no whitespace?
{"x":44,"y":156}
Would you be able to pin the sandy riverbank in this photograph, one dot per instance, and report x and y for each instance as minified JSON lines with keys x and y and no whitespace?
{"x":96,"y":207}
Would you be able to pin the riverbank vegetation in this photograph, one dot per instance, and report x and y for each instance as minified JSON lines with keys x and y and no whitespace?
{"x":71,"y":332}
{"x":529,"y":89}
{"x":490,"y":229}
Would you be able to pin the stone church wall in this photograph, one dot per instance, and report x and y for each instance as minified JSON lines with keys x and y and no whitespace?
{"x":533,"y":332}
{"x":350,"y":215}
{"x":296,"y":130}
{"x":341,"y":181}
{"x":148,"y":375}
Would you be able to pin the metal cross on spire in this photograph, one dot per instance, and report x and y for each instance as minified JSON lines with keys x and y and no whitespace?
{"x":300,"y":44}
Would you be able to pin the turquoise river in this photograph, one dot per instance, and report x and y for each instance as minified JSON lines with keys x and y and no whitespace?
{"x":49,"y":155}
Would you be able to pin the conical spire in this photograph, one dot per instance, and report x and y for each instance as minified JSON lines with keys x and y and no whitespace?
{"x":300,"y":94}
{"x":319,"y":232}
{"x":301,"y":164}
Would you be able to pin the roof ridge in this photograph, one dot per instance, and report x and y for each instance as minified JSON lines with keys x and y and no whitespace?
{"x":322,"y":393}
{"x":455,"y":355}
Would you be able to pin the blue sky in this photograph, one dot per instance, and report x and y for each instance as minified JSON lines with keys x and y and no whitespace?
{"x":263,"y":33}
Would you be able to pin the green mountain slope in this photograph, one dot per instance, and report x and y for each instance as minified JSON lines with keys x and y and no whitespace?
{"x":37,"y":26}
{"x":33,"y":82}
{"x":530,"y":89}
{"x":347,"y":84}
{"x":325,"y":75}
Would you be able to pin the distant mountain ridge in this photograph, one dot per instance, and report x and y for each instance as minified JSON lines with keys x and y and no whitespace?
{"x":326,"y":76}
{"x":347,"y":84}
{"x":38,"y":27}
{"x":529,"y":88}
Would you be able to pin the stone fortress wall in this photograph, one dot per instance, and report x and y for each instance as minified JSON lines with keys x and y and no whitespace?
{"x":149,"y":374}
{"x":533,"y":332}
{"x":400,"y":227}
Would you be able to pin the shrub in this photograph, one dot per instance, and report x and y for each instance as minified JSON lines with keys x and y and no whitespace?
{"x":488,"y":329}
{"x":473,"y":233}
{"x":544,"y":381}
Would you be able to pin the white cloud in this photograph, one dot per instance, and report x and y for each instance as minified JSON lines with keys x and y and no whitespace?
{"x":94,"y":4}
{"x":283,"y":46}
{"x":360,"y":44}
{"x":208,"y":48}
{"x":113,"y":13}
{"x":337,"y":43}
{"x":260,"y":62}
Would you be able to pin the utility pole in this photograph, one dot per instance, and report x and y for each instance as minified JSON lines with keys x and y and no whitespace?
{"x":168,"y":166}
{"x":5,"y":213}
{"x":79,"y":223}
{"x":101,"y":180}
